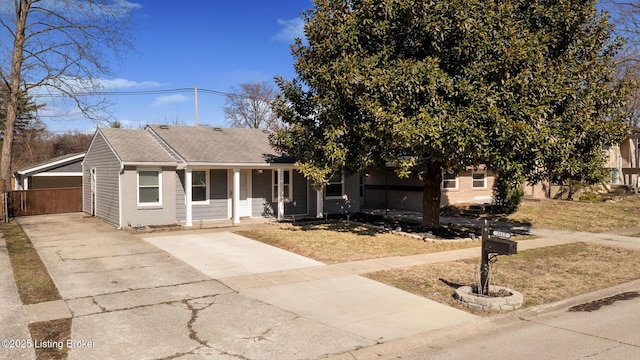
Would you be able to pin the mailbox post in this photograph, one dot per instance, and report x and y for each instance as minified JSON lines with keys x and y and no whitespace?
{"x":498,"y":244}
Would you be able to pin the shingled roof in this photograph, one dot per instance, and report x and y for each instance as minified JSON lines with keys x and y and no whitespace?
{"x":213,"y":145}
{"x":136,"y":146}
{"x":203,"y":145}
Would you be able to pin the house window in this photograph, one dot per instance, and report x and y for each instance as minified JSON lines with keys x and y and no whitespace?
{"x":149,"y":185}
{"x":286,"y":185}
{"x":479,"y":180}
{"x":199,"y":181}
{"x":449,"y":181}
{"x":335,"y":188}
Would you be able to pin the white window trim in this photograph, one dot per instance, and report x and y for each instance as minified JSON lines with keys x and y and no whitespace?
{"x":456,"y":181}
{"x":484,"y":178}
{"x":149,"y":204}
{"x":274,"y":194}
{"x":207,"y":185}
{"x":342,"y":192}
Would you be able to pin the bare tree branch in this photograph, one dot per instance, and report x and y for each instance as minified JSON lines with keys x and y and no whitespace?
{"x":60,"y":46}
{"x":249,"y":106}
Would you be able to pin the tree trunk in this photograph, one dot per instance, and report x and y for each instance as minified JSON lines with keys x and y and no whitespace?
{"x":13,"y":98}
{"x":431,"y":196}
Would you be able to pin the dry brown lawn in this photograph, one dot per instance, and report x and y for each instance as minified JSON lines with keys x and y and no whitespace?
{"x":343,"y":242}
{"x":32,"y":279}
{"x":542,"y":275}
{"x":580,"y":216}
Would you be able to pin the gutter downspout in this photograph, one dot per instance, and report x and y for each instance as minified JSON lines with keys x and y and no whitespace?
{"x":120,"y":173}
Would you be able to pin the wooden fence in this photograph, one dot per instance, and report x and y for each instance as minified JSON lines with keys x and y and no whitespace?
{"x":45,"y":201}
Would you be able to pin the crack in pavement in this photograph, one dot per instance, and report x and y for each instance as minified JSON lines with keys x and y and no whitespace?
{"x":102,"y":308}
{"x":105,"y":271}
{"x":193,"y":334}
{"x":581,"y":333}
{"x":600,"y":352}
{"x":259,"y":337}
{"x":170,"y":302}
{"x":148,"y":288}
{"x":107,"y":257}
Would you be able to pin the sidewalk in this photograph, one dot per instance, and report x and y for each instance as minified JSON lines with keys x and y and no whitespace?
{"x":13,"y":320}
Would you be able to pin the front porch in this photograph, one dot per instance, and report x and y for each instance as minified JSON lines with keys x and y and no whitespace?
{"x":239,"y":194}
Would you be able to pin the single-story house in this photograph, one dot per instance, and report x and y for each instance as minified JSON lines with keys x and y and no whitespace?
{"x":383,"y":189}
{"x":60,"y":172}
{"x":166,"y":174}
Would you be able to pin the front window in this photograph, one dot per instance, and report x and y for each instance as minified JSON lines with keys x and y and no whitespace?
{"x":199,"y":186}
{"x":286,"y":185}
{"x":149,"y":185}
{"x":334,"y":189}
{"x":479,"y":180}
{"x":449,"y":181}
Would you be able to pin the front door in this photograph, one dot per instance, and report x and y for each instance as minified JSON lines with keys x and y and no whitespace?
{"x":244,"y":205}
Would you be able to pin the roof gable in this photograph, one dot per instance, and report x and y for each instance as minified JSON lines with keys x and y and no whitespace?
{"x":135,"y":146}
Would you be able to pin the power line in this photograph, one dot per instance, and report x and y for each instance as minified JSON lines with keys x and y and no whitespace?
{"x":136,"y":93}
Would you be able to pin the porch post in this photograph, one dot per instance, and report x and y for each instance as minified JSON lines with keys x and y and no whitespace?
{"x":236,"y":196}
{"x":319,"y":204}
{"x":281,"y":194}
{"x":25,"y":183}
{"x":188,"y":197}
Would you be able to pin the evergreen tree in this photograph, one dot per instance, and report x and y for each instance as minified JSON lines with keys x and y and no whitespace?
{"x":429,"y":86}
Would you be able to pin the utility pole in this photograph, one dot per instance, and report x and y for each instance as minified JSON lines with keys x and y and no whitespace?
{"x":195,"y":90}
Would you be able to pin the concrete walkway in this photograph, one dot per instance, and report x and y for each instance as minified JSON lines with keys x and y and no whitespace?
{"x":13,"y":320}
{"x":135,"y":300}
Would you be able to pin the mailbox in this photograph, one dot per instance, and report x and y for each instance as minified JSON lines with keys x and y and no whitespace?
{"x":501,"y":246}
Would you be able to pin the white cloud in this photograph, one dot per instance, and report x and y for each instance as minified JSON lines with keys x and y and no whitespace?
{"x":170,"y":99}
{"x":128,"y":84}
{"x":291,"y":29}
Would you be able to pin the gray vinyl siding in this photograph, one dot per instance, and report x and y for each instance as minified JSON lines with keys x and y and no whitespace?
{"x":133,"y":214}
{"x":262,"y":191}
{"x":218,"y":207}
{"x":352,"y":202}
{"x":73,"y":167}
{"x":107,"y":166}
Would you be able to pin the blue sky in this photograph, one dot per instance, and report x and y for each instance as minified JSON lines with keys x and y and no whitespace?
{"x":214,"y":44}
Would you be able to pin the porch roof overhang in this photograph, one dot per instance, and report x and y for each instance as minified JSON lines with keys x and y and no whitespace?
{"x":195,"y":164}
{"x":149,"y":163}
{"x":53,"y":163}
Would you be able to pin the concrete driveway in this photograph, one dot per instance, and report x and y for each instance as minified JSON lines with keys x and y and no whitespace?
{"x":229,"y":298}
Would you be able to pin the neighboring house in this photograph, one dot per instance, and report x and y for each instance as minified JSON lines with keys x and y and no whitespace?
{"x":60,"y":172}
{"x":384,"y":189}
{"x":183,"y":174}
{"x":624,"y":160}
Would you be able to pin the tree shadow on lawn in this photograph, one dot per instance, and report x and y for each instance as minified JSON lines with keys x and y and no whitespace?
{"x":340,"y":226}
{"x":373,"y":224}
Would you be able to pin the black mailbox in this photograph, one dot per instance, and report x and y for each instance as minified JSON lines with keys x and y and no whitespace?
{"x":501,"y":246}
